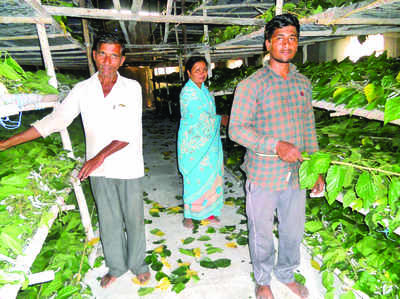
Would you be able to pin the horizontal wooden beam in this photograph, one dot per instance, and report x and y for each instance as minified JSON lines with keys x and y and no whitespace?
{"x":22,"y":37}
{"x":233,"y":6}
{"x":358,"y":21}
{"x":25,"y":20}
{"x":54,"y":55}
{"x":163,"y":46}
{"x":33,"y":48}
{"x":107,"y":14}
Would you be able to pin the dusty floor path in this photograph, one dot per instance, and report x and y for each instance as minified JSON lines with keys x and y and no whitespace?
{"x":179,"y":253}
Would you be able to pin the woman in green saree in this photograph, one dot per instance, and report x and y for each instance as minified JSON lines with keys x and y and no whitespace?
{"x":200,"y":156}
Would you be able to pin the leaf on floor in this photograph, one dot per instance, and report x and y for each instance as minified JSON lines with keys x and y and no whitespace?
{"x":211,"y":250}
{"x":164,"y":284}
{"x":188,"y":240}
{"x":145,"y":291}
{"x":231,"y":245}
{"x":94,"y":241}
{"x":210,"y":230}
{"x":154,"y":212}
{"x":315,"y":265}
{"x":204,"y":238}
{"x":135,"y":280}
{"x":157,"y":232}
{"x":197,"y":252}
{"x":204,"y":222}
{"x":165,"y":262}
{"x":175,"y":210}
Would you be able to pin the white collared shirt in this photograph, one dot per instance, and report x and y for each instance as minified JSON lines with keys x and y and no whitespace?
{"x":115,"y":117}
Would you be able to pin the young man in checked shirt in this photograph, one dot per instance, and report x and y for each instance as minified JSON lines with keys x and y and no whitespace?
{"x":272,"y":116}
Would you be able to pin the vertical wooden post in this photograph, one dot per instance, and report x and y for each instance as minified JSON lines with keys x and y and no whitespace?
{"x":206,"y":40}
{"x":169,"y":8}
{"x":305,"y":54}
{"x":117,"y":6}
{"x":279,"y":7}
{"x":48,"y":62}
{"x":184,"y":28}
{"x":181,"y":75}
{"x":86,"y":38}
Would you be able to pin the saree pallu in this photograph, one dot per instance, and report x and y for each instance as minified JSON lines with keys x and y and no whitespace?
{"x":200,"y":156}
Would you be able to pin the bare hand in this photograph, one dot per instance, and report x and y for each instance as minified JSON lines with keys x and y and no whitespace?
{"x":288,"y":152}
{"x":319,"y":185}
{"x":89,"y":167}
{"x":3,"y":145}
{"x":224,"y":120}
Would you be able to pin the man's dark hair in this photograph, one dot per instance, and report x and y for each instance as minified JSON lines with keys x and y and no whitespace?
{"x":109,"y":38}
{"x":281,"y":21}
{"x":191,"y":62}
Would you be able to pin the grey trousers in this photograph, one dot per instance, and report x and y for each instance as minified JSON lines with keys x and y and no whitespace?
{"x":121,"y":219}
{"x":260,"y":208}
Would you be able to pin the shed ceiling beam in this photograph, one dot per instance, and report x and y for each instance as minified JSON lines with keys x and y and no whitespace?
{"x":129,"y":16}
{"x":55,"y":54}
{"x":163,"y":46}
{"x":238,"y":5}
{"x":358,"y":21}
{"x":336,"y":14}
{"x":26,"y":20}
{"x":52,"y":48}
{"x":35,"y":37}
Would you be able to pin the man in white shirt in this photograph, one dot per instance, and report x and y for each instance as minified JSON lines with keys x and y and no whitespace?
{"x":111,"y":110}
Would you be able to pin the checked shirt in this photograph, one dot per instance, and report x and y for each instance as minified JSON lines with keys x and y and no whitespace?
{"x":268,"y":108}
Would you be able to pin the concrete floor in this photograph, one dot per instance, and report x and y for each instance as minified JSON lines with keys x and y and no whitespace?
{"x":163,"y":185}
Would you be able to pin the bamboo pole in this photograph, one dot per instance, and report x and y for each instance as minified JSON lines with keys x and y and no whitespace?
{"x":53,"y":48}
{"x":184,"y":28}
{"x":358,"y":21}
{"x":24,"y":261}
{"x":117,"y":6}
{"x":86,"y":38}
{"x":207,"y":42}
{"x":26,"y":20}
{"x":48,"y":62}
{"x":236,"y":5}
{"x":369,"y":114}
{"x":305,"y":53}
{"x":279,"y":7}
{"x":85,"y":216}
{"x":168,"y":12}
{"x":106,"y":14}
{"x":22,"y":37}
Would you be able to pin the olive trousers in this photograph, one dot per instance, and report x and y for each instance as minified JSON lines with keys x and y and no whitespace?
{"x":121,"y":219}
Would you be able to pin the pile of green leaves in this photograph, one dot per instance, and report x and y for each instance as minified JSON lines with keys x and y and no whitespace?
{"x":370,"y":83}
{"x":301,"y":9}
{"x":368,"y":189}
{"x":344,"y":242}
{"x":359,"y":246}
{"x":33,"y":175}
{"x":16,"y":80}
{"x":228,"y":79}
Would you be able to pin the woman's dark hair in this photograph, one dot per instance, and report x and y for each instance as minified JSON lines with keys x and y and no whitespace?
{"x":191,"y":62}
{"x":109,"y":38}
{"x":281,"y":21}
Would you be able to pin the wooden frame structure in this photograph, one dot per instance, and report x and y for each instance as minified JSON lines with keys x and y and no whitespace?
{"x":37,"y":38}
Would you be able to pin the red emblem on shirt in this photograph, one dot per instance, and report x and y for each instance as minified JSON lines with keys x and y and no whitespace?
{"x":301,"y":93}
